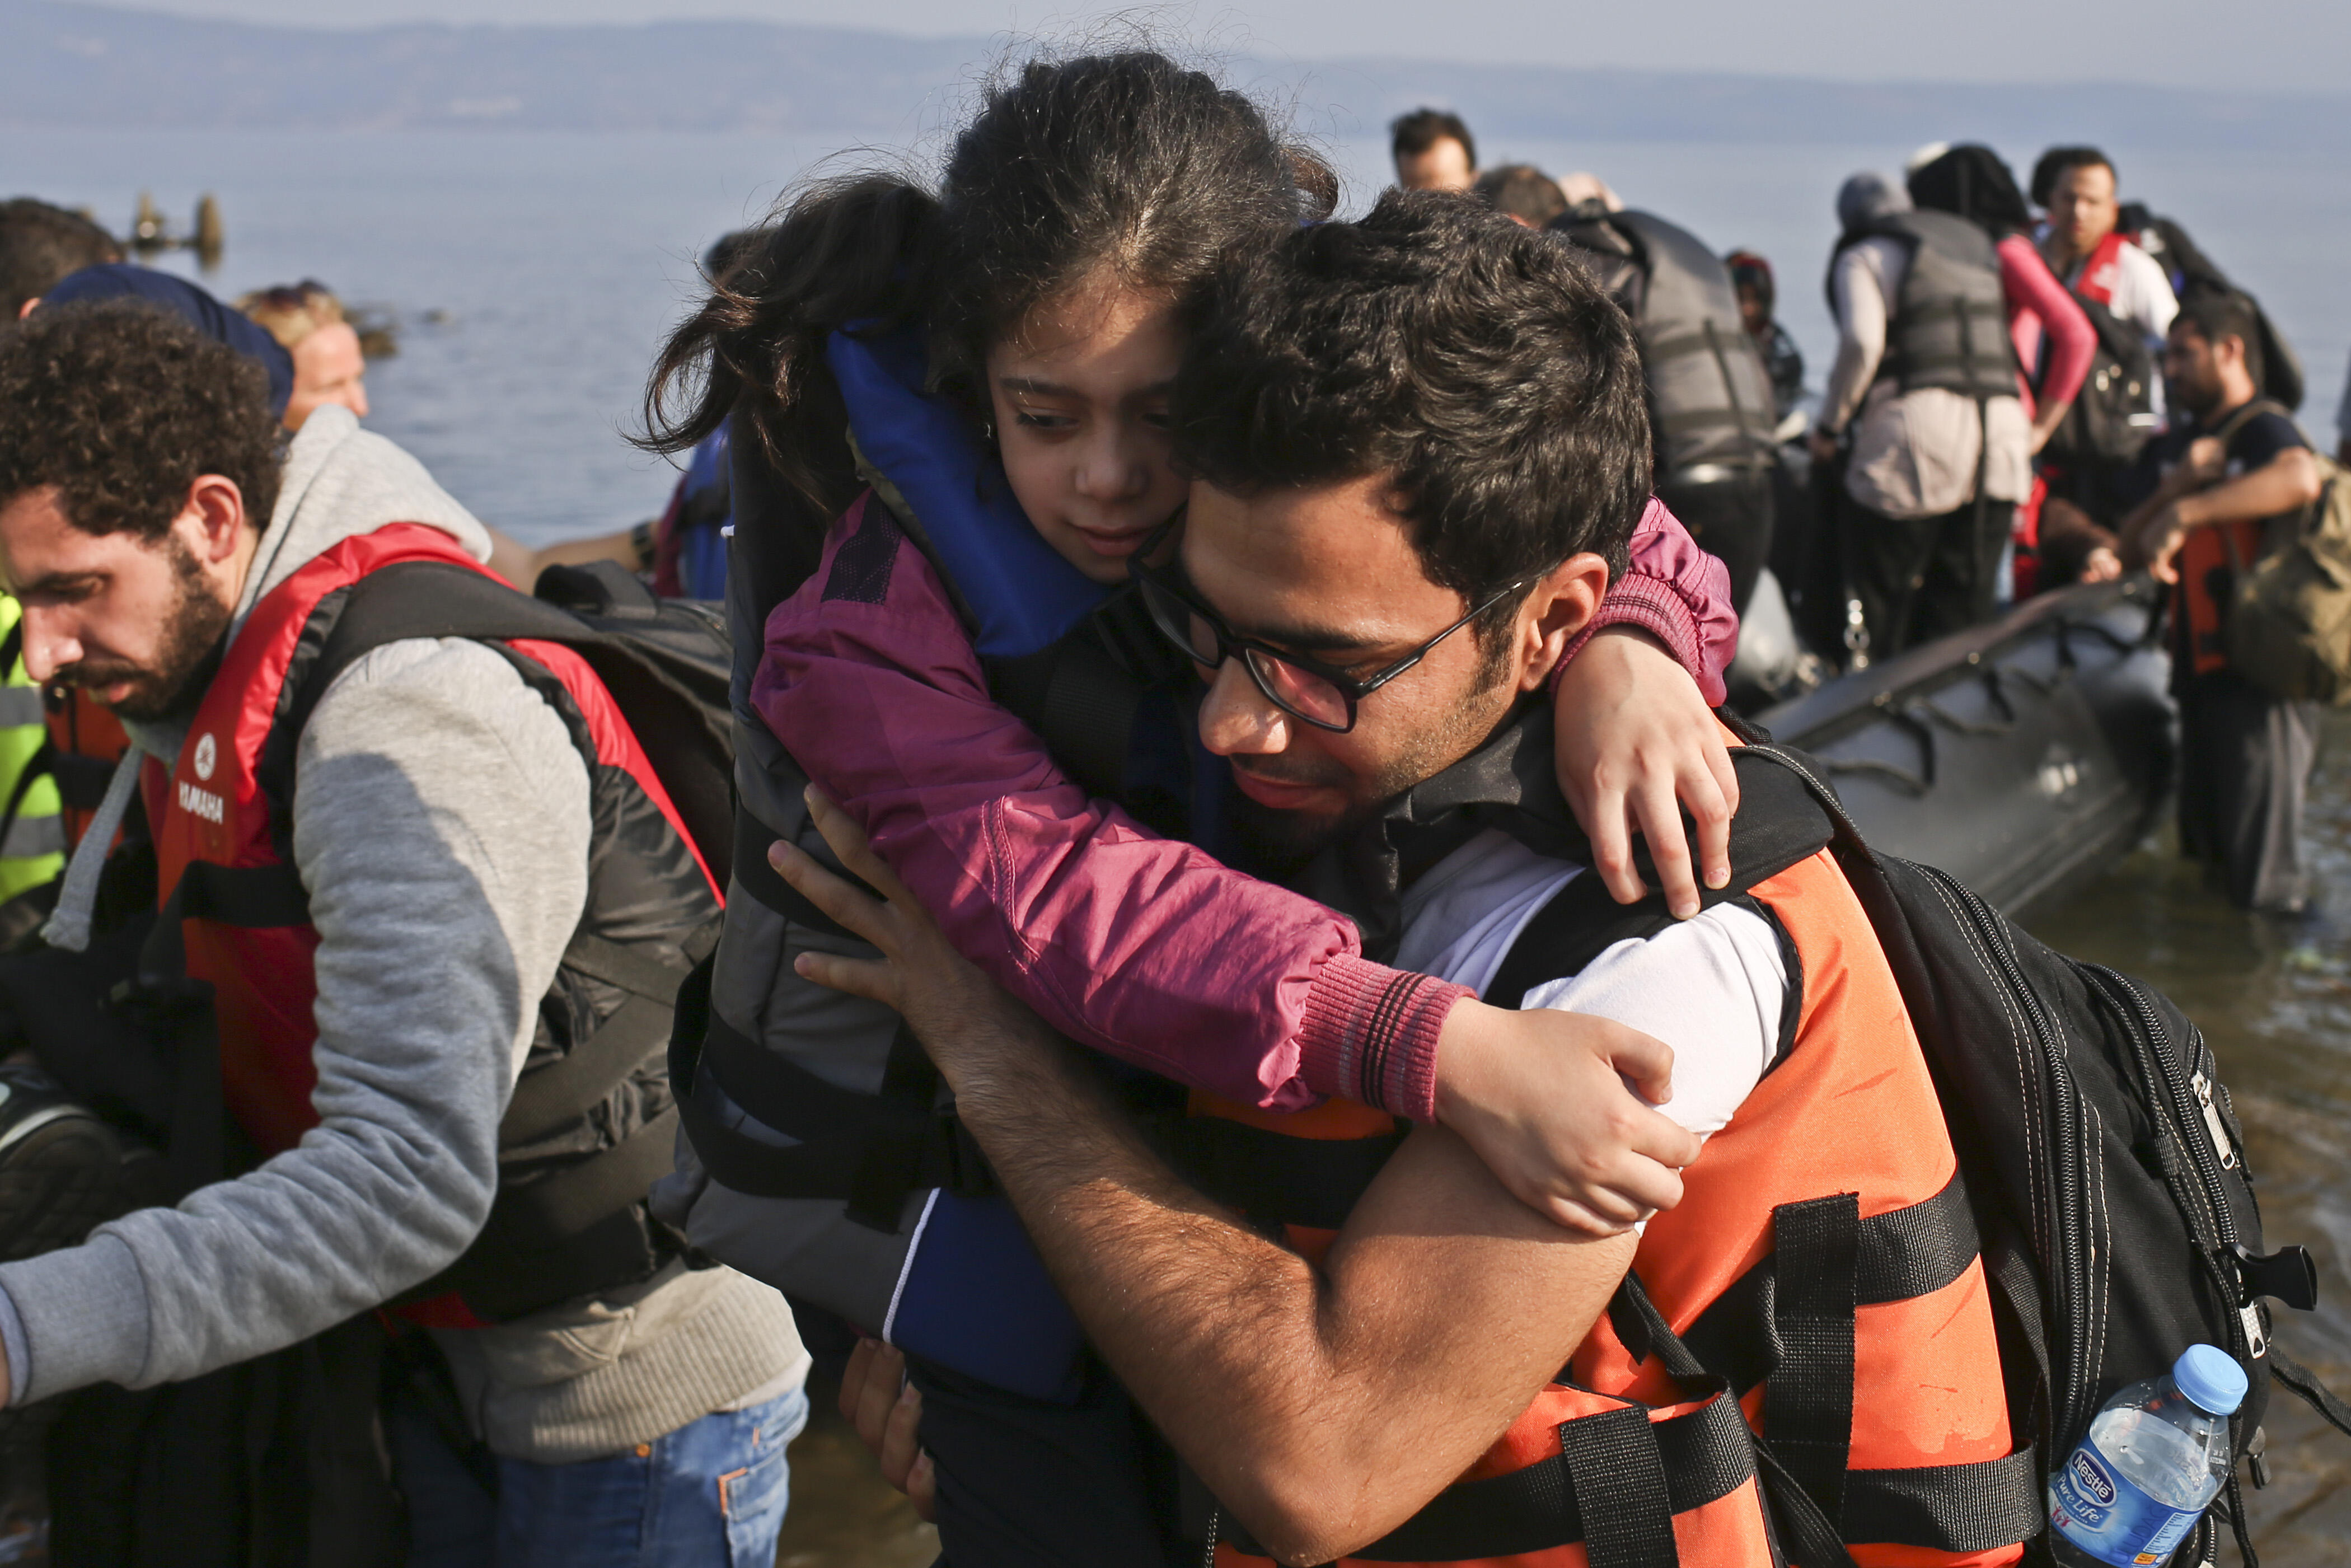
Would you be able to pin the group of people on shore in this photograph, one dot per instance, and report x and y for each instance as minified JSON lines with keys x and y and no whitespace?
{"x":1206,"y":999}
{"x":2020,"y":400}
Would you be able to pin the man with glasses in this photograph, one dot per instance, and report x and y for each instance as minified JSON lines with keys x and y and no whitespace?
{"x":1420,"y":448}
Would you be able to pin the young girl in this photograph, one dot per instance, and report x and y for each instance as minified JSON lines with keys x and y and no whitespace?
{"x":999,"y":354}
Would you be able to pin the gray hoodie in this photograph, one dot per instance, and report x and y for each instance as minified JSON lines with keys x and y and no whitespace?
{"x":441,"y":829}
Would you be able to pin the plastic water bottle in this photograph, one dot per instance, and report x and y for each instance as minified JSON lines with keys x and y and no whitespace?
{"x":2157,"y":1454}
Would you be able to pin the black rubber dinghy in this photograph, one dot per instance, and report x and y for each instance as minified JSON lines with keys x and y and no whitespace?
{"x":2024,"y":757}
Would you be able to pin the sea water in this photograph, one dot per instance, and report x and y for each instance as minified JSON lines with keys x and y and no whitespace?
{"x":531,"y":276}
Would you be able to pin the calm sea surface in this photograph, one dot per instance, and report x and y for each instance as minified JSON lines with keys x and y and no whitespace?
{"x":531,"y":276}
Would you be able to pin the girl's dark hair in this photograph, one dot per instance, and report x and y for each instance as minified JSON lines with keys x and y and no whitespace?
{"x":1973,"y":182}
{"x":1125,"y":161}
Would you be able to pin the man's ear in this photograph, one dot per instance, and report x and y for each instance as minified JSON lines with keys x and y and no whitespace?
{"x":212,"y":519}
{"x":1562,"y":604}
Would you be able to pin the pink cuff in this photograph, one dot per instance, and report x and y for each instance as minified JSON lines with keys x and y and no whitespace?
{"x":1370,"y":1035}
{"x":1653,"y":606}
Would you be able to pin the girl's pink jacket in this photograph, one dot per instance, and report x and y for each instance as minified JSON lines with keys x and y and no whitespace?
{"x":1136,"y":945}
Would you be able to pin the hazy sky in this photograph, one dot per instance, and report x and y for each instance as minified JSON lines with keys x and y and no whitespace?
{"x":2246,"y":43}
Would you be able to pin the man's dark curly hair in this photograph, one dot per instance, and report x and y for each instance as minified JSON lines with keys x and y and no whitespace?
{"x":121,"y":406}
{"x":1473,"y":359}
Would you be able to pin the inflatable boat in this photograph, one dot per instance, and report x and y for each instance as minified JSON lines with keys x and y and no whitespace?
{"x":2024,"y":757}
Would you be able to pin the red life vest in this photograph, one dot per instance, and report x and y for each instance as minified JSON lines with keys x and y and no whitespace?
{"x":214,"y":808}
{"x":2101,"y":270}
{"x":1839,"y":1167}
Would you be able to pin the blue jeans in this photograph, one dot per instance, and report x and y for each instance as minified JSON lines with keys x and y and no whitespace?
{"x":712,"y":1492}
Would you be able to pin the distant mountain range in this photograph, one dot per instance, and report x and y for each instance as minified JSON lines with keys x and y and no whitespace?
{"x":66,"y":65}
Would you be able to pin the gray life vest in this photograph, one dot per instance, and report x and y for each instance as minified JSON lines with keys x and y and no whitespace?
{"x":1709,"y":393}
{"x":1949,"y":325}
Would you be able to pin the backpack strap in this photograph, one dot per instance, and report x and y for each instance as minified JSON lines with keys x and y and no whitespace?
{"x":870,"y":1150}
{"x":409,"y":600}
{"x":1778,"y":825}
{"x":2244,"y":416}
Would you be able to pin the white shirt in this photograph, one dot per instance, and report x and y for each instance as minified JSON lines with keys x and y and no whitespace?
{"x":1712,"y":988}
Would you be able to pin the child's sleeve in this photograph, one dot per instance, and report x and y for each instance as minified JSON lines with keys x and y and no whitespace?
{"x":1677,"y":594}
{"x":1136,"y":945}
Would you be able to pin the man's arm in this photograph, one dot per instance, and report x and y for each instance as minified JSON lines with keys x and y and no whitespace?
{"x":1323,"y":1406}
{"x":442,"y":828}
{"x":2155,"y":530}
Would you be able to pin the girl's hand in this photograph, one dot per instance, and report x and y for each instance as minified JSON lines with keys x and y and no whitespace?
{"x":1636,"y":747}
{"x":1548,"y":1100}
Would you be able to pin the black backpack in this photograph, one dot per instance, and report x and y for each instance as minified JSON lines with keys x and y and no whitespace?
{"x":667,"y":663}
{"x":2192,"y":270}
{"x":2102,"y":1157}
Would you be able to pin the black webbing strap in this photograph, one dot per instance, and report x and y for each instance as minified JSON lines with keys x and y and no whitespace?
{"x":1815,"y":1246}
{"x":1808,"y":1538}
{"x":2304,"y":1383}
{"x":414,"y":599}
{"x":254,"y":896}
{"x":1899,"y":1255}
{"x":754,"y":876}
{"x":1947,"y":1508}
{"x":1275,"y":1179}
{"x":634,"y":971}
{"x":1977,"y":1507}
{"x":548,"y":1099}
{"x":1701,"y":1456}
{"x":868,"y":1149}
{"x":82,"y":780}
{"x":1618,"y":1475}
{"x":545,"y":1099}
{"x":570,"y":1200}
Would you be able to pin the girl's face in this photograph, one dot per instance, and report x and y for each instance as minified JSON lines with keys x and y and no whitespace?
{"x":1080,"y":390}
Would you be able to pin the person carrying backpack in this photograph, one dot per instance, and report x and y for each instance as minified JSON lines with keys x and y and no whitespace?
{"x":1956,"y":1191}
{"x":425,"y":903}
{"x":2222,"y":491}
{"x":1452,"y":1383}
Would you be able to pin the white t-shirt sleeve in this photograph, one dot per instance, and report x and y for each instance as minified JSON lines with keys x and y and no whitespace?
{"x":2145,"y":296}
{"x":1712,"y":988}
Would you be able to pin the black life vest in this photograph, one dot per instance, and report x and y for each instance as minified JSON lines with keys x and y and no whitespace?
{"x":1710,"y":398}
{"x":2114,"y":414}
{"x":1950,"y":324}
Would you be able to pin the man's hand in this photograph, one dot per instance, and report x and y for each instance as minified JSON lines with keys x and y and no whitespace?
{"x":962,"y":1018}
{"x":2156,"y":544}
{"x":1540,"y":1095}
{"x":1822,"y":446}
{"x":887,"y":1411}
{"x":1635,"y":746}
{"x":2207,"y":461}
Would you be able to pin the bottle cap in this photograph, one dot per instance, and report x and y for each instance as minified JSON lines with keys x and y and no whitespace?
{"x":2210,"y":1377}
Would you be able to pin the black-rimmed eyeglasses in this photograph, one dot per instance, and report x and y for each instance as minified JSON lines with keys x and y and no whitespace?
{"x":1323,"y":695}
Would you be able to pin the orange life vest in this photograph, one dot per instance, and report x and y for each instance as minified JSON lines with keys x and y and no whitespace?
{"x":1823,"y":1261}
{"x":2205,"y":577}
{"x":247,"y":933}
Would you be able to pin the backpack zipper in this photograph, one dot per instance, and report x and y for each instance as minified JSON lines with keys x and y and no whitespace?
{"x":2069,"y":1136}
{"x":2192,"y":1108}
